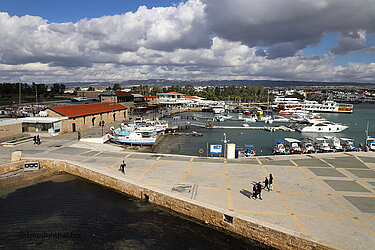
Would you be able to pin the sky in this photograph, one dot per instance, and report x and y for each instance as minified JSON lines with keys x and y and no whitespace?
{"x":302,"y":40}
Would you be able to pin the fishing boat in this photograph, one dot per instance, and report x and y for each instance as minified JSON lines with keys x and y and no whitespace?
{"x":334,"y":143}
{"x":322,"y":145}
{"x":294,"y":145}
{"x":249,"y":150}
{"x":307,"y":145}
{"x":279,"y":148}
{"x":370,"y":143}
{"x":348,"y":144}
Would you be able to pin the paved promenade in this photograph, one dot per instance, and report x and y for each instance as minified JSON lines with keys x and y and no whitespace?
{"x":328,"y":197}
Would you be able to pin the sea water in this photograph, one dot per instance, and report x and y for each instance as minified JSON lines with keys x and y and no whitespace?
{"x":74,"y":213}
{"x":263,"y":140}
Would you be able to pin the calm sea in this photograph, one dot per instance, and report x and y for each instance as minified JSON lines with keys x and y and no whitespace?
{"x":74,"y":213}
{"x":263,"y":140}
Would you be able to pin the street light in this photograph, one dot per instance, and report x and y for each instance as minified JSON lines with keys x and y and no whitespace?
{"x":225,"y":143}
{"x":101,"y":124}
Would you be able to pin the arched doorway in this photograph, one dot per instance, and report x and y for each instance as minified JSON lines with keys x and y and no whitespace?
{"x":114,"y":117}
{"x":93,"y":121}
{"x":73,"y":127}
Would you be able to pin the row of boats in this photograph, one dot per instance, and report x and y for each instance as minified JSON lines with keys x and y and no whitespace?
{"x":319,"y":145}
{"x":140,"y":132}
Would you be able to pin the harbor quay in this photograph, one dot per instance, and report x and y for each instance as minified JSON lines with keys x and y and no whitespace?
{"x":318,"y":201}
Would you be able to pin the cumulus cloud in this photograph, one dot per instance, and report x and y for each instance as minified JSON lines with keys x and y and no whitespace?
{"x":287,"y":26}
{"x":197,"y":39}
{"x":350,"y":42}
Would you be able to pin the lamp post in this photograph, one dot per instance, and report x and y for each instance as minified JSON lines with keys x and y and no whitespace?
{"x":225,"y":141}
{"x":101,"y":124}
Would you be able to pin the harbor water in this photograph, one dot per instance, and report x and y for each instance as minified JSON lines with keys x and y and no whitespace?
{"x":71,"y":213}
{"x":263,"y":140}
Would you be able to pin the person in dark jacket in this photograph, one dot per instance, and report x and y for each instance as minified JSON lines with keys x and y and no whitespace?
{"x":37,"y":139}
{"x":34,"y":139}
{"x":271,"y":182}
{"x":255,"y":193}
{"x":266,"y":184}
{"x":259,"y":190}
{"x":122,"y":167}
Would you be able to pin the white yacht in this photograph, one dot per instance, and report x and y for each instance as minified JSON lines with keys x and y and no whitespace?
{"x":320,"y":126}
{"x":327,"y":106}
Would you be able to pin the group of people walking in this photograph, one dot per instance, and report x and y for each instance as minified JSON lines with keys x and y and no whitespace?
{"x":257,"y":187}
{"x":36,"y":139}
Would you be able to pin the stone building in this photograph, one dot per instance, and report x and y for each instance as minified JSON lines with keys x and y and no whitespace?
{"x":85,"y":116}
{"x":10,"y":127}
{"x":108,"y":96}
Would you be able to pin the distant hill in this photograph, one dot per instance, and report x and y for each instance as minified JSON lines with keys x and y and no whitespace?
{"x":164,"y":82}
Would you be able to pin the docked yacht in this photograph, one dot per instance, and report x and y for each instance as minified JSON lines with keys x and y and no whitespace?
{"x":327,"y":106}
{"x":319,"y":126}
{"x":252,"y":118}
{"x":279,"y":148}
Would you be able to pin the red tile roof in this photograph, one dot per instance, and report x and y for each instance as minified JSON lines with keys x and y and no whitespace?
{"x":174,"y":93}
{"x":123,"y":93}
{"x":87,"y":109}
{"x":150,"y":96}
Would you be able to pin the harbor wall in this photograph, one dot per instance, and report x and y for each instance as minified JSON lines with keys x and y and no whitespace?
{"x":256,"y":230}
{"x":11,"y":166}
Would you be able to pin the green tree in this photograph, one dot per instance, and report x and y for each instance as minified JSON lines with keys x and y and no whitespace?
{"x":116,"y":87}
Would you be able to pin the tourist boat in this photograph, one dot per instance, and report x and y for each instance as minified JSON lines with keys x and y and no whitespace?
{"x":334,"y":143}
{"x":136,"y":138}
{"x":348,"y":144}
{"x":327,"y":106}
{"x":294,"y":145}
{"x":279,"y":148}
{"x":370,"y":143}
{"x":320,"y":126}
{"x":322,"y":145}
{"x":249,"y":150}
{"x":285,"y":103}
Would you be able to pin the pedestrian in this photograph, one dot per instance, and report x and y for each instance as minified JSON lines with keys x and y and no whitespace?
{"x":122,"y":167}
{"x":266,"y":184}
{"x":37,"y":139}
{"x":34,"y":139}
{"x":259,"y":190}
{"x":271,"y":182}
{"x":79,"y":135}
{"x":255,"y":193}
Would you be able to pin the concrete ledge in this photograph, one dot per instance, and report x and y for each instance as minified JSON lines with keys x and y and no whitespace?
{"x":248,"y":227}
{"x":11,"y":166}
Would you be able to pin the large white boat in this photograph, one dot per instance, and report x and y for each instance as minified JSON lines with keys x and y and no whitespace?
{"x":370,"y":143}
{"x":320,"y":126}
{"x":327,"y":106}
{"x":135,"y":138}
{"x":285,"y":103}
